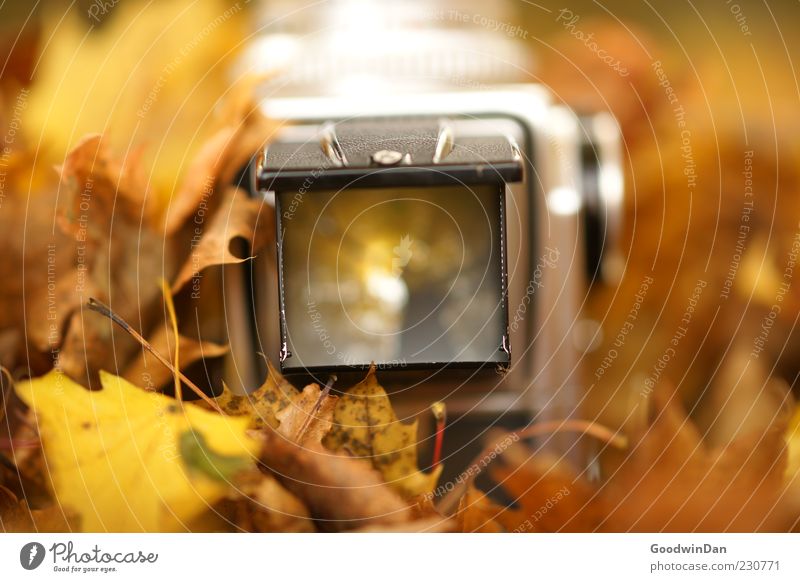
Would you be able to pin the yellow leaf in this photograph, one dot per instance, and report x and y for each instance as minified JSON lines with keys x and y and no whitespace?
{"x":151,"y":74}
{"x":130,"y":460}
{"x":365,"y":425}
{"x":262,"y":405}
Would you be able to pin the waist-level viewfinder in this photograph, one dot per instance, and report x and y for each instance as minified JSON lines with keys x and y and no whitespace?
{"x":391,"y":245}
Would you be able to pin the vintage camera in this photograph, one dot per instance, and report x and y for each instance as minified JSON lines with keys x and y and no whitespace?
{"x":436,"y":213}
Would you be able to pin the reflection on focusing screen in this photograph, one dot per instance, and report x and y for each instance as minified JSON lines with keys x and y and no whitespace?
{"x":397,"y":276}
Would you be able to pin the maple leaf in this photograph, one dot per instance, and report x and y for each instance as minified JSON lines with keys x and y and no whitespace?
{"x":366,"y":426}
{"x":402,"y":256}
{"x":309,"y":415}
{"x":130,"y":460}
{"x":262,"y":405}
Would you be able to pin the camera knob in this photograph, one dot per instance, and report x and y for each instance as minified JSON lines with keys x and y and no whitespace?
{"x":387,"y":158}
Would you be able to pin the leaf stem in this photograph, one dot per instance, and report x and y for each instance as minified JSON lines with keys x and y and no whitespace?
{"x":440,"y":415}
{"x":103,"y":309}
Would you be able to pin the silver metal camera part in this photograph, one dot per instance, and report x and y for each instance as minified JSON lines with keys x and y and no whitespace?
{"x":382,"y":65}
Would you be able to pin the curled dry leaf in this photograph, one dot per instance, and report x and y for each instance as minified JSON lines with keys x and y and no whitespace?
{"x":342,"y":493}
{"x":238,"y":217}
{"x":103,"y":212}
{"x":366,"y":426}
{"x":243,"y":131}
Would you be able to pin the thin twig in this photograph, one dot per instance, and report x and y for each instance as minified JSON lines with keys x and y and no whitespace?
{"x":103,"y":309}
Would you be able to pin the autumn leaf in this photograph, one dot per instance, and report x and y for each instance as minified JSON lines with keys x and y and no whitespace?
{"x":262,"y":405}
{"x":17,"y":516}
{"x":673,"y":481}
{"x":102,"y":210}
{"x":238,"y":217}
{"x":99,"y":79}
{"x":478,"y":514}
{"x":259,"y":503}
{"x":242,"y":131}
{"x":342,"y":493}
{"x":667,"y":480}
{"x":549,"y":494}
{"x":309,"y":416}
{"x":366,"y":426}
{"x":130,"y":460}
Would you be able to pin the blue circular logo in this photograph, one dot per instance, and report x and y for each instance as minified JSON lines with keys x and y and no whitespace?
{"x":31,"y":555}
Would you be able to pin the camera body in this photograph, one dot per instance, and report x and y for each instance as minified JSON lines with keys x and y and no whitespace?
{"x":547,"y":181}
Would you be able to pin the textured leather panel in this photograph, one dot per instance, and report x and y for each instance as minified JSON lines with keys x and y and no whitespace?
{"x":471,"y":159}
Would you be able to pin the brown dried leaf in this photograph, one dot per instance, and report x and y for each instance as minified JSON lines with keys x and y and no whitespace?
{"x":110,"y":228}
{"x":551,"y":497}
{"x":308,"y":417}
{"x":478,"y":514}
{"x":244,"y":130}
{"x":17,"y":517}
{"x":260,"y":504}
{"x":239,"y":217}
{"x":671,"y":480}
{"x":342,"y":493}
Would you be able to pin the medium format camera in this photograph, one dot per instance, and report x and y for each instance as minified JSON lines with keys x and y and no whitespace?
{"x":437,"y":215}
